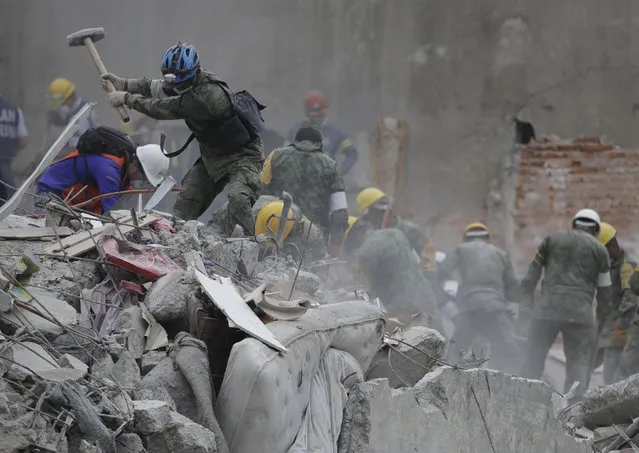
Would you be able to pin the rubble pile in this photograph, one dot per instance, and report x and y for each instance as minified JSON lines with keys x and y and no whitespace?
{"x":134,"y":339}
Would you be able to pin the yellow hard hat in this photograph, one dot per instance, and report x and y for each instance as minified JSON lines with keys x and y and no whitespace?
{"x":368,"y":197}
{"x":351,"y":221}
{"x":606,"y":233}
{"x":475,"y":229}
{"x":59,"y":91}
{"x":268,"y":219}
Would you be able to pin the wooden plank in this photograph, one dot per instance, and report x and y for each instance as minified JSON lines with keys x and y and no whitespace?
{"x":34,"y":232}
{"x":83,"y":241}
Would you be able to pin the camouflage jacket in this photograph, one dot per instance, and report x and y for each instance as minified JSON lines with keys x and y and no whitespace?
{"x":420,"y":243}
{"x":575,"y":264}
{"x":487,"y":278}
{"x":388,"y":265}
{"x":312,"y":179}
{"x":220,"y":225}
{"x":206,"y":102}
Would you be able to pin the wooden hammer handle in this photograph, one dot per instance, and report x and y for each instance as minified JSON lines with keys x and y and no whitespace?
{"x":122,"y":110}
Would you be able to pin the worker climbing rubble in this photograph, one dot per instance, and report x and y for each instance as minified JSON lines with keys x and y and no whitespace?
{"x":312,"y":179}
{"x":334,"y":141}
{"x":106,"y":161}
{"x":267,"y":212}
{"x":487,"y":284}
{"x":230,"y":146}
{"x":375,"y":209}
{"x":64,"y":103}
{"x":575,"y":267}
{"x":614,"y":333}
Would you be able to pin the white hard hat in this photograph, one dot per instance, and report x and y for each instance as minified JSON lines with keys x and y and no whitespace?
{"x":154,"y":163}
{"x":588,"y":215}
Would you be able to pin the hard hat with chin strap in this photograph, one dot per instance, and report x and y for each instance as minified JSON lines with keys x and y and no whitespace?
{"x":59,"y":91}
{"x":268,"y":219}
{"x":606,"y":233}
{"x":154,"y":163}
{"x":368,"y":197}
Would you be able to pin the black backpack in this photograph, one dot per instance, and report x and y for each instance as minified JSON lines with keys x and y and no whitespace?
{"x":106,"y":140}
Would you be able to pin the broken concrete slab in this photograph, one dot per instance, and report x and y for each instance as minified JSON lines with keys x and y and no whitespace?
{"x":126,"y":371}
{"x":167,"y":298}
{"x":230,"y":257}
{"x":444,"y":412}
{"x":68,"y":361}
{"x":165,"y":374}
{"x":150,"y":416}
{"x":46,"y":303}
{"x":150,"y":360}
{"x":408,"y":349}
{"x":611,"y":404}
{"x":131,"y":323}
{"x":129,"y":443}
{"x":102,"y":366}
{"x":159,"y":393}
{"x":182,"y":435}
{"x":6,"y":352}
{"x":30,"y":358}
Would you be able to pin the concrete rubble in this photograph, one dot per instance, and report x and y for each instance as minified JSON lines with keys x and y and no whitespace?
{"x":95,"y":357}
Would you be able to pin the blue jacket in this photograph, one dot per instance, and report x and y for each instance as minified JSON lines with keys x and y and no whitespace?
{"x":88,"y":169}
{"x":335,"y":141}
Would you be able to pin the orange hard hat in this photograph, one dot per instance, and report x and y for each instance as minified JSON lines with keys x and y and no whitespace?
{"x":315,"y":104}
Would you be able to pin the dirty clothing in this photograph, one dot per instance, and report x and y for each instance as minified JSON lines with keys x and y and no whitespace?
{"x":578,"y":343}
{"x":312,"y":179}
{"x":220,"y":225}
{"x":487,"y":278}
{"x":487,"y":284}
{"x":206,"y":108}
{"x":629,"y":360}
{"x":334,"y":143}
{"x":420,"y":243}
{"x":614,"y":335}
{"x":575,"y":266}
{"x":388,"y":265}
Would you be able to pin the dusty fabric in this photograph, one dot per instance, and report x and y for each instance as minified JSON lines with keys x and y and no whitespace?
{"x":578,"y":343}
{"x":571,"y":262}
{"x":388,"y":264}
{"x":629,"y":360}
{"x":420,"y":243}
{"x":487,"y":277}
{"x":106,"y":305}
{"x":311,"y":177}
{"x":623,"y":304}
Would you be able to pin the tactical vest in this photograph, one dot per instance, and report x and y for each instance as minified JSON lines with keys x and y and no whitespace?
{"x":9,"y":122}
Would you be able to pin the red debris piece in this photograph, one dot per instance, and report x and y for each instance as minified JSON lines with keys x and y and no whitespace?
{"x":146,"y":261}
{"x":135,"y":287}
{"x":163,"y":224}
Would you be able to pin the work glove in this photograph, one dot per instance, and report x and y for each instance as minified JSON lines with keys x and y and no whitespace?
{"x":118,"y":98}
{"x":119,"y":83}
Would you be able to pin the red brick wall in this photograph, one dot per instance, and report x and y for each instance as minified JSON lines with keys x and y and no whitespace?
{"x":559,"y":177}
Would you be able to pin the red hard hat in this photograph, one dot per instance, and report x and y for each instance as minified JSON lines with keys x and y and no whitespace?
{"x":315,"y":104}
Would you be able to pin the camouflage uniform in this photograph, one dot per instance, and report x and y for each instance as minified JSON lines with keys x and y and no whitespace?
{"x":420,"y":243}
{"x":220,"y":225}
{"x":312,"y":179}
{"x":487,"y":284}
{"x":614,"y":335}
{"x":389,"y":268}
{"x":202,"y":107}
{"x":575,"y":264}
{"x":629,"y":360}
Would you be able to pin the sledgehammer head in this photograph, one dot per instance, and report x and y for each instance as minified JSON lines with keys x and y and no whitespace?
{"x":77,"y":38}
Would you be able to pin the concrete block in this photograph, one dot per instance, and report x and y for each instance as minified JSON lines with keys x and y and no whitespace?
{"x":102,"y":366}
{"x":429,"y":341}
{"x":129,"y":443}
{"x":61,"y":310}
{"x":182,"y":435}
{"x":150,"y":360}
{"x":167,"y":298}
{"x":611,"y":404}
{"x":150,"y":416}
{"x":68,"y":361}
{"x":176,"y":384}
{"x":127,"y":372}
{"x":131,"y":323}
{"x":29,"y":358}
{"x":157,"y":392}
{"x":440,"y":414}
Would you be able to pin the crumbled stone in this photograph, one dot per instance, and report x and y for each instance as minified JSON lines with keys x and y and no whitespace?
{"x":150,"y":416}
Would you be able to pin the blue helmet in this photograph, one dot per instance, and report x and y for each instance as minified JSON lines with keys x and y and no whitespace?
{"x":182,"y":61}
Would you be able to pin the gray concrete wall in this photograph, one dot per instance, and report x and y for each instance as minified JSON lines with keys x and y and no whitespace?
{"x":454,"y":70}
